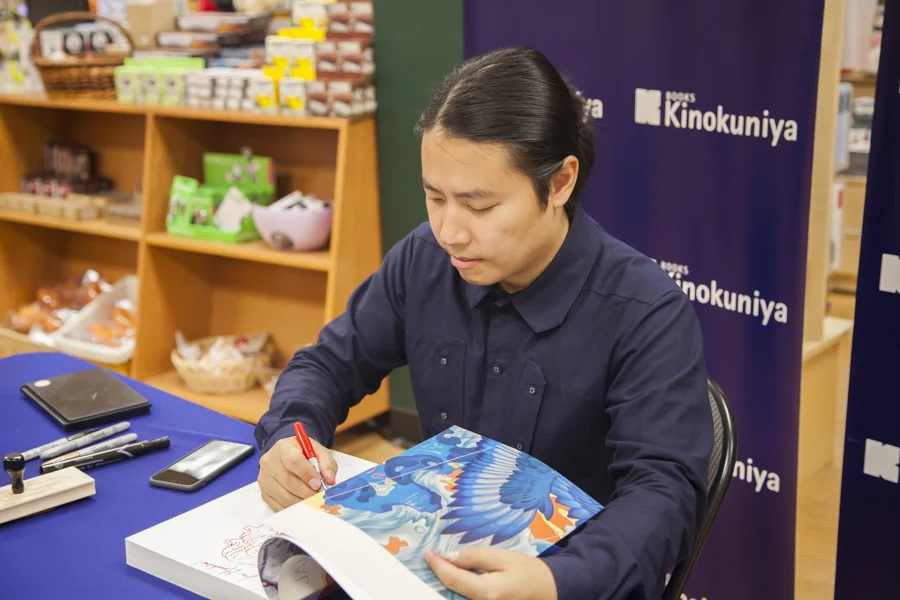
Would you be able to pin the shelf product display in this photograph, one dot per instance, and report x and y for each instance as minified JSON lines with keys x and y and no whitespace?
{"x":55,"y":304}
{"x":77,"y":53}
{"x":221,"y":207}
{"x":104,"y":331}
{"x":323,"y":64}
{"x":69,"y":167}
{"x":320,"y":171}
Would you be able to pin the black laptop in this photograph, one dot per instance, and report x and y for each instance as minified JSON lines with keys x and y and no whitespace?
{"x":86,"y":398}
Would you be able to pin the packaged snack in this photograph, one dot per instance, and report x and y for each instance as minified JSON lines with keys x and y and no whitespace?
{"x":363,"y":18}
{"x":292,"y":95}
{"x":326,"y":60}
{"x":346,"y":99}
{"x":317,"y":98}
{"x":55,"y":304}
{"x":222,"y":348}
{"x":119,"y":328}
{"x":355,"y":60}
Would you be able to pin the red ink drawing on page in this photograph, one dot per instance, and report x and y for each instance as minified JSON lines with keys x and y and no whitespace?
{"x":243,"y":550}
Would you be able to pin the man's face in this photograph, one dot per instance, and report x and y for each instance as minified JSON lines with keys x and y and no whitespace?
{"x":485,"y":214}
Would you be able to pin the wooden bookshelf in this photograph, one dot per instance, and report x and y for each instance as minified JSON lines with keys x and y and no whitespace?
{"x":197,"y":287}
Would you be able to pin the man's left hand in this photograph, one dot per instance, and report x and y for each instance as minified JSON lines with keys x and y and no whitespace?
{"x":505,"y":574}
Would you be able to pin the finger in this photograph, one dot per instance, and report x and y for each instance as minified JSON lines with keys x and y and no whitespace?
{"x":456,"y":579}
{"x":482,"y":558}
{"x":290,"y":482}
{"x":270,"y":485}
{"x":271,"y":502}
{"x":293,"y":460}
{"x":326,"y":463}
{"x":271,"y":466}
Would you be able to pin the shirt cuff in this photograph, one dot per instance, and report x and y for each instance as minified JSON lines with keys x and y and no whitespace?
{"x":573,"y":579}
{"x":286,"y":431}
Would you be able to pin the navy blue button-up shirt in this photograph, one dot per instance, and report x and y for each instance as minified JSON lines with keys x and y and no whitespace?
{"x":596,"y":369}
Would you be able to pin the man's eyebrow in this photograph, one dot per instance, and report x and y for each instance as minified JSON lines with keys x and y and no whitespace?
{"x":476,"y":194}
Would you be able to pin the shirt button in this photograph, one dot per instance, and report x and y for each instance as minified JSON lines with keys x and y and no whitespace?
{"x":497,"y":370}
{"x":519,"y":445}
{"x":531,"y":390}
{"x":443,"y":416}
{"x":444,"y":361}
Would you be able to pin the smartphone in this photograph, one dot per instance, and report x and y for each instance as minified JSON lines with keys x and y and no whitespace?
{"x":201,"y":466}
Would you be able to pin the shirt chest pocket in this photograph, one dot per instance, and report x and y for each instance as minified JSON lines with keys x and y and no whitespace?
{"x":524,"y":403}
{"x":437,"y":373}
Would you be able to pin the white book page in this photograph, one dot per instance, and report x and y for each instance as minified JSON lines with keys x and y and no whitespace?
{"x":358,"y":563}
{"x":222,"y":537}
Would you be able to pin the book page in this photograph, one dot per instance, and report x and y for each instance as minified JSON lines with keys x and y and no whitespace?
{"x":453,"y":491}
{"x":358,"y":563}
{"x":222,"y":538}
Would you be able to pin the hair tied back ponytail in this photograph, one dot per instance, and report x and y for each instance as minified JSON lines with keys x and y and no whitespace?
{"x":516,"y":97}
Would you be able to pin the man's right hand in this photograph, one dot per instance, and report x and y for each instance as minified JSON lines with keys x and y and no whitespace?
{"x":286,"y":477}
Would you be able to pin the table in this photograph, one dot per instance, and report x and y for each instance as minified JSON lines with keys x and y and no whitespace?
{"x":78,"y":550}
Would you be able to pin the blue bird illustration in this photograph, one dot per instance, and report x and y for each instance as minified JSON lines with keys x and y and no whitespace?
{"x":501,"y":490}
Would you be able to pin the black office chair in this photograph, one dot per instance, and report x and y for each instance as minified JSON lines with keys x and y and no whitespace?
{"x":721,"y":468}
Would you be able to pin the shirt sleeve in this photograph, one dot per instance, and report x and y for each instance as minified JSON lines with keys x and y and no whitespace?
{"x":660,"y":437}
{"x":353,"y":354}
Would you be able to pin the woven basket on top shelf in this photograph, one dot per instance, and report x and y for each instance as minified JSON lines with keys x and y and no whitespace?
{"x":226,"y":377}
{"x":90,"y":75}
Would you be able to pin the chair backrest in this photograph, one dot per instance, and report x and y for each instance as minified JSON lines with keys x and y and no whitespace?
{"x":721,"y":468}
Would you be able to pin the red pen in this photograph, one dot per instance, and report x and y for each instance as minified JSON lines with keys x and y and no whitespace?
{"x":308,"y":451}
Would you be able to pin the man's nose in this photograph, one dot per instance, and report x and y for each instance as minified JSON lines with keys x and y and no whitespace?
{"x":453,"y":229}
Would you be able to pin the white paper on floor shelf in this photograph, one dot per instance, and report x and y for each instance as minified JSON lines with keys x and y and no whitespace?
{"x":212,"y":549}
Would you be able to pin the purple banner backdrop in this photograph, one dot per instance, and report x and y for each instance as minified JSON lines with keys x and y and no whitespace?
{"x":868,"y":553}
{"x":705,"y":115}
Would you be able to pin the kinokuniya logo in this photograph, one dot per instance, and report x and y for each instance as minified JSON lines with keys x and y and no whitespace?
{"x":593,"y":107}
{"x":748,"y":472}
{"x":713,"y":294}
{"x":882,"y":461}
{"x":678,"y":112}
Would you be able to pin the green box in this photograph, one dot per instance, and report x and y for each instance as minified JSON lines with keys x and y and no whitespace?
{"x":253,"y":175}
{"x":128,"y":85}
{"x":191,"y":210}
{"x":160,"y":79}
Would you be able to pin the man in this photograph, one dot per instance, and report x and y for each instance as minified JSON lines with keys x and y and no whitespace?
{"x":522,"y":320}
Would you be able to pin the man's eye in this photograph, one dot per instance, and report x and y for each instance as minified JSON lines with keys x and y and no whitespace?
{"x":481,"y":210}
{"x":435,"y":200}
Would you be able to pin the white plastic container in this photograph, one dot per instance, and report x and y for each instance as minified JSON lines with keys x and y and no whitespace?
{"x":97,"y":312}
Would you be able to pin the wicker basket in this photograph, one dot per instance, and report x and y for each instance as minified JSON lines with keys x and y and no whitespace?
{"x":92,"y":75}
{"x":228,"y":377}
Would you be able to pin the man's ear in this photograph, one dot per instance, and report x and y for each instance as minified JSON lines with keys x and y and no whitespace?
{"x":562,"y":184}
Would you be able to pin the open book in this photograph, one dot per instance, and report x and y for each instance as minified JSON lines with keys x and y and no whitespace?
{"x":212,"y":549}
{"x":368,"y":534}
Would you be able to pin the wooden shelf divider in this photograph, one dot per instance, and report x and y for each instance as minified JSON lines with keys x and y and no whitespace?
{"x":256,"y":251}
{"x":200,"y":288}
{"x":101,"y":227}
{"x":184,"y":112}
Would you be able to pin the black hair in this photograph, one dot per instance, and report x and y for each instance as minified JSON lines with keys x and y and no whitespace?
{"x":516,"y":97}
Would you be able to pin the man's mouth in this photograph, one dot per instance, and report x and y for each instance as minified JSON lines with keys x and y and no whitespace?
{"x":461,"y":262}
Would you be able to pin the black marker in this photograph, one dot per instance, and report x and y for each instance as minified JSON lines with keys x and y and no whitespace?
{"x":108,"y":457}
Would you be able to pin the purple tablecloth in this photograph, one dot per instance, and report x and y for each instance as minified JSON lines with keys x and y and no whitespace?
{"x":78,"y":550}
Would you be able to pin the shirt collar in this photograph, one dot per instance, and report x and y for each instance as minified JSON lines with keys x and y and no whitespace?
{"x":545,"y":303}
